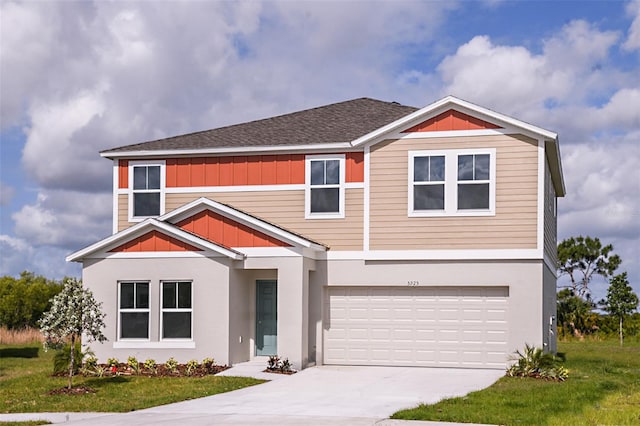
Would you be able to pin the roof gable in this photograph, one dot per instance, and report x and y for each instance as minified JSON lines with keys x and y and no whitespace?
{"x":451,"y":120}
{"x":154,"y":241}
{"x":227,"y":232}
{"x":191,"y":216}
{"x":152,"y":235}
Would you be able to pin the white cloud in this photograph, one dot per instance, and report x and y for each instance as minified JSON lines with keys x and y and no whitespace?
{"x":6,"y":194}
{"x":64,"y":219}
{"x":633,"y":37}
{"x":18,"y":255}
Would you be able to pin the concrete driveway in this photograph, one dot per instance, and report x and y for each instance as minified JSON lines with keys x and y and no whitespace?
{"x":316,"y":396}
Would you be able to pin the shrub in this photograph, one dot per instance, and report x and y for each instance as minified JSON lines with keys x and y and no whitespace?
{"x":192,"y":366}
{"x":534,"y":362}
{"x":113,"y":362}
{"x":171,"y":365}
{"x":273,"y":362}
{"x":151,"y":366}
{"x":133,"y":364}
{"x":62,"y":359}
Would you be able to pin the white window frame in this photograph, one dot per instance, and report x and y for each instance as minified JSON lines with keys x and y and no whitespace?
{"x":162,"y":190}
{"x":133,"y":310}
{"x":170,"y":310}
{"x":307,"y":187}
{"x":451,"y":183}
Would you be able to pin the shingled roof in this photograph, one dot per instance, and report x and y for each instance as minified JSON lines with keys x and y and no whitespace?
{"x":339,"y":122}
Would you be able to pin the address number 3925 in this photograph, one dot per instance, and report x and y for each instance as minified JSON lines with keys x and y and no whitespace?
{"x":413,"y":283}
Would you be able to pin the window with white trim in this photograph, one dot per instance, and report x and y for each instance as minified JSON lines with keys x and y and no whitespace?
{"x":133,"y":310}
{"x":146,"y":190}
{"x":428,"y":182}
{"x":473,"y":182}
{"x":325,"y":182}
{"x":176,"y":317}
{"x":452,"y":183}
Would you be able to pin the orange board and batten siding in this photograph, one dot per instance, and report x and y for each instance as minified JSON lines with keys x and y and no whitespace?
{"x":152,"y":242}
{"x":286,"y":209}
{"x":285,"y":169}
{"x":227,"y":232}
{"x":123,"y":174}
{"x":451,"y":120}
{"x":514,"y":225}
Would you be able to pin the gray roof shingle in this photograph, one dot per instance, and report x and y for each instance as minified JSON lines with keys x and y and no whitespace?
{"x":339,"y":122}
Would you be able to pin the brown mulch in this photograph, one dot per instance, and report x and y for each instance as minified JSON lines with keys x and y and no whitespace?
{"x":160,"y":371}
{"x":78,"y":390}
{"x":278,"y":371}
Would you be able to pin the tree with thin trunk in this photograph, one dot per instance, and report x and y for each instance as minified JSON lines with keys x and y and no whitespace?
{"x":620,"y":301}
{"x":74,"y":312}
{"x":582,"y":257}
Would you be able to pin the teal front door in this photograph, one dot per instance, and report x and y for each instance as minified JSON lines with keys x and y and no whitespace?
{"x":266,"y":318}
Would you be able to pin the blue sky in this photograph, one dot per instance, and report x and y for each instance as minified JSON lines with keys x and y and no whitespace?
{"x":80,"y":77}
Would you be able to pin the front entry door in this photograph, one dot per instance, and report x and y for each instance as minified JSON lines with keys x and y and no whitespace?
{"x":266,"y":318}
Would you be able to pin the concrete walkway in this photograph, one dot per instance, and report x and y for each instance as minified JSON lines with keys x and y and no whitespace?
{"x":325,"y":395}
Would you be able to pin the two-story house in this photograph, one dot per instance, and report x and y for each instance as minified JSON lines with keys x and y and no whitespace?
{"x":362,"y":232}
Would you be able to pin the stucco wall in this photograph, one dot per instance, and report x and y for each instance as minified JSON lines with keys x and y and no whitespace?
{"x":210,"y":305}
{"x":549,"y":316}
{"x":523,"y":278}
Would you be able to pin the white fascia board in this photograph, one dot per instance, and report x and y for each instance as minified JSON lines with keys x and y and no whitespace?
{"x":202,"y":203}
{"x":433,"y":255}
{"x":228,"y":150}
{"x":143,"y":227}
{"x":463,"y":106}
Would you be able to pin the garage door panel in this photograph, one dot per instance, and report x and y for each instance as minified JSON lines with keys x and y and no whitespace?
{"x":427,"y":326}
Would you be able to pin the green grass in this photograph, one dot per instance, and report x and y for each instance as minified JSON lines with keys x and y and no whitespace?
{"x":25,"y":380}
{"x":603,"y":389}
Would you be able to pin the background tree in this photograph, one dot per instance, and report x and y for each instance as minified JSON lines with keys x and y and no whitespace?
{"x":74,"y":312}
{"x":620,"y":300}
{"x":581,"y":257}
{"x":575,"y":315}
{"x":23,"y":300}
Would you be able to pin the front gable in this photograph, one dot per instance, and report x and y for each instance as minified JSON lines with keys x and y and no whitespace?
{"x":227,"y":232}
{"x":449,"y":121}
{"x":154,"y":241}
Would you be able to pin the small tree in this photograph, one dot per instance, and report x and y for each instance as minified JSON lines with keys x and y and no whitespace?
{"x":621,"y":300}
{"x":581,"y":257}
{"x":73,"y":312}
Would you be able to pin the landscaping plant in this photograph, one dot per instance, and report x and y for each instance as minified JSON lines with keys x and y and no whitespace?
{"x":74,"y":312}
{"x":534,"y":362}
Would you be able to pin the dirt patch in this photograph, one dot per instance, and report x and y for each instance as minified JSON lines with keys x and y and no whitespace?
{"x":78,"y":390}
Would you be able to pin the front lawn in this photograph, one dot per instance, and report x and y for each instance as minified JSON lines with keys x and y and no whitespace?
{"x":603,"y":389}
{"x":25,"y":379}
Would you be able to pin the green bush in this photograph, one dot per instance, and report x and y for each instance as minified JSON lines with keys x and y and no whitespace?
{"x":61,"y":359}
{"x":534,"y":362}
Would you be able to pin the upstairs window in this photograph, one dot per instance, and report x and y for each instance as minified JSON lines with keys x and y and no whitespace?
{"x":325,"y":187}
{"x":473,"y":182}
{"x":176,"y":310}
{"x":452,"y":182}
{"x":428,"y":182}
{"x":146,"y":191}
{"x":133,"y":310}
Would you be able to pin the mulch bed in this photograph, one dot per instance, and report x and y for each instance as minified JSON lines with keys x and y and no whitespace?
{"x":278,"y":371}
{"x":160,"y":371}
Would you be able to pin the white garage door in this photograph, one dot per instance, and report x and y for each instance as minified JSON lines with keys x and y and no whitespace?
{"x":421,"y":326}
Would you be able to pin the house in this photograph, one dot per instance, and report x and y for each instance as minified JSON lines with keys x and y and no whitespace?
{"x":360,"y":233}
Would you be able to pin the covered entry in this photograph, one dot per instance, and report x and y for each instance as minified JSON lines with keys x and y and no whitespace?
{"x":416,"y":326}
